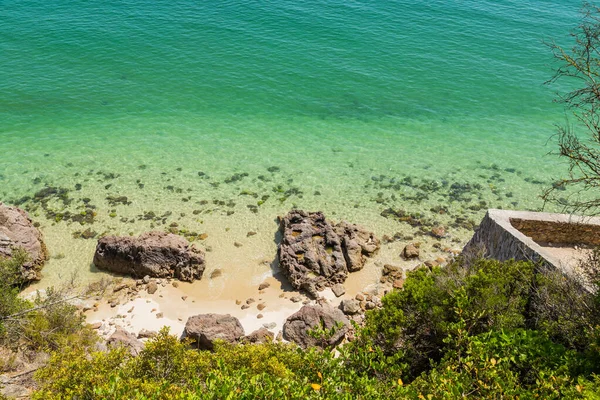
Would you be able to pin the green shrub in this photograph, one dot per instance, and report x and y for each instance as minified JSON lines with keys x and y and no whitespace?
{"x":485,"y":295}
{"x":563,"y":309}
{"x":497,"y":364}
{"x":475,"y":330}
{"x":46,"y":323}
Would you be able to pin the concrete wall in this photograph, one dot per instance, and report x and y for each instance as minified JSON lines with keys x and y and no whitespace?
{"x":522,"y":235}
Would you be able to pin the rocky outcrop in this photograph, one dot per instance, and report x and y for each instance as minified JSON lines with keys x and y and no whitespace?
{"x":17,"y":231}
{"x":157,"y":254}
{"x":357,"y":244}
{"x":316,"y":319}
{"x":204,"y":329}
{"x":125,"y":339}
{"x":315,"y":254}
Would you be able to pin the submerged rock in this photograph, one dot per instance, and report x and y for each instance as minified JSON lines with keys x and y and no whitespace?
{"x":327,"y":323}
{"x":204,"y":329}
{"x":156,"y":254}
{"x":17,"y":231}
{"x":315,"y":254}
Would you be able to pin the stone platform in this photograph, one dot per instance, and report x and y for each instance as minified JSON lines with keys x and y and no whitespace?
{"x":557,"y":240}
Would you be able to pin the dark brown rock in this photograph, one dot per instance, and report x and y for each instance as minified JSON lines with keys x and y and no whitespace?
{"x":264,"y":285}
{"x":204,"y":329}
{"x":156,"y":254}
{"x":410,"y":251}
{"x":17,"y":231}
{"x":392,"y":274}
{"x":126,"y":339}
{"x":262,"y":335}
{"x":357,"y":244}
{"x":146,"y":334}
{"x":314,"y":254}
{"x":311,"y":251}
{"x":310,"y":318}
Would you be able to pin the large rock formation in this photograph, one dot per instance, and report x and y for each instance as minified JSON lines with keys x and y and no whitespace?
{"x":329,"y":323}
{"x":314,"y":254}
{"x":17,"y":231}
{"x":157,"y":254}
{"x":204,"y":329}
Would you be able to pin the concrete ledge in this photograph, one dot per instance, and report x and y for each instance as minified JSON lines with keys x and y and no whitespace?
{"x":557,"y":240}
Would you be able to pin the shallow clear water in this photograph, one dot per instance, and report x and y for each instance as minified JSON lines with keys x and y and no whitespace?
{"x":226,"y":114}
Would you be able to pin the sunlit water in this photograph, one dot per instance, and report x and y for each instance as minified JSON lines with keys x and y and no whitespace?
{"x":216,"y":117}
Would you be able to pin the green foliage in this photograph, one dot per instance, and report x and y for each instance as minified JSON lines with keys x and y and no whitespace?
{"x":47,"y":323}
{"x":478,"y":331}
{"x":563,"y":309}
{"x":10,"y":302}
{"x":53,"y":324}
{"x":498,"y":364}
{"x":486,"y":295}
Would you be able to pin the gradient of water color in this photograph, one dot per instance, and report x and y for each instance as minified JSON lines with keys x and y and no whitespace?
{"x":226,"y":114}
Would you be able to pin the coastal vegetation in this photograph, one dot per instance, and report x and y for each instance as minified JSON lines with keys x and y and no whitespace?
{"x":473,"y":328}
{"x":477,"y":328}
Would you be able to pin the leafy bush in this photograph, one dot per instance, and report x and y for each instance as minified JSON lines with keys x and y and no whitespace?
{"x":497,"y":364}
{"x":47,"y":323}
{"x":486,"y":295}
{"x":474,"y":330}
{"x":10,"y":302}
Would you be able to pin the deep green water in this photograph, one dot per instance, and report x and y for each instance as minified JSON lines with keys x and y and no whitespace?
{"x":351,"y":107}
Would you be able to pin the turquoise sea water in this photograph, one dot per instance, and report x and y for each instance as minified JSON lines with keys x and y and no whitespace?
{"x":216,"y":116}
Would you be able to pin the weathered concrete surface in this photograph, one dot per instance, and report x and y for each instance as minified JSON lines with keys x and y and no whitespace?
{"x":552,"y":239}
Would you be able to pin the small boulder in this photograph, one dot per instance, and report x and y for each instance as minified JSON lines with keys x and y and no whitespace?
{"x":152,"y":287}
{"x":262,"y":335}
{"x":350,"y":306}
{"x":391,"y":274}
{"x":438,"y":232}
{"x":146,"y":334}
{"x":126,"y":339}
{"x":410,"y":251}
{"x":313,"y":318}
{"x":264,"y":285}
{"x":204,"y":329}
